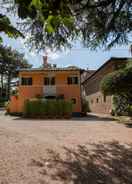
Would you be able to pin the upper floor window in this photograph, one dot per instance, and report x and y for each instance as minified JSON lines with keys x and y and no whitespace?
{"x":72,"y":80}
{"x":26,"y":81}
{"x":49,"y":81}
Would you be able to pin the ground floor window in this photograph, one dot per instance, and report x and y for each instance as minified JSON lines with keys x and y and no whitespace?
{"x":73,"y":100}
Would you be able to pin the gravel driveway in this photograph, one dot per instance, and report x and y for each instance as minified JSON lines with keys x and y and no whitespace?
{"x":89,"y":150}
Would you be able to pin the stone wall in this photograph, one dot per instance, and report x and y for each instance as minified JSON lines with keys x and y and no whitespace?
{"x":97,"y":101}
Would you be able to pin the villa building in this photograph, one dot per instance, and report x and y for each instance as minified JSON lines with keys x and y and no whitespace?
{"x":91,"y":86}
{"x":48,"y":82}
{"x":69,"y":83}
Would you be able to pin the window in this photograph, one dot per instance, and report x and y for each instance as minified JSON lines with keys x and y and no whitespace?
{"x":73,"y":100}
{"x":52,"y":81}
{"x":46,"y":81}
{"x":26,"y":81}
{"x":72,"y":80}
{"x":97,"y":100}
{"x":50,"y":97}
{"x":69,"y":80}
{"x":49,"y":81}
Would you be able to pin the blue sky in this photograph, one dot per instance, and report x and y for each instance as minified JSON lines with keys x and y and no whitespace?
{"x":79,"y":56}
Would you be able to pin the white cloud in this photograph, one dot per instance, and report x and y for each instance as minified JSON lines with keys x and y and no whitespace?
{"x":52,"y":55}
{"x":33,"y":53}
{"x":24,"y":47}
{"x":21,"y":40}
{"x":27,"y":56}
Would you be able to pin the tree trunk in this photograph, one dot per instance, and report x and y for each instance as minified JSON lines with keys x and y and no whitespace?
{"x":2,"y":86}
{"x":8,"y":85}
{"x":1,"y":91}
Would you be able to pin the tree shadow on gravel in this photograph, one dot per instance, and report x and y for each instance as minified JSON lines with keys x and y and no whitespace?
{"x":129,"y":125}
{"x":104,"y":163}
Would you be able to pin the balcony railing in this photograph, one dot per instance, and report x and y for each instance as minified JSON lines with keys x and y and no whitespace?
{"x":46,"y":90}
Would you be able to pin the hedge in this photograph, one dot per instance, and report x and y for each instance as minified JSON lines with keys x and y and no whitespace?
{"x":3,"y":101}
{"x":38,"y":108}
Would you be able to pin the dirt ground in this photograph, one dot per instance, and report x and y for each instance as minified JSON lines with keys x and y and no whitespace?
{"x":92,"y":150}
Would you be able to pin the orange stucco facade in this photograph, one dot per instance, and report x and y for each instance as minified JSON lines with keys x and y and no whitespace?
{"x":61,"y":87}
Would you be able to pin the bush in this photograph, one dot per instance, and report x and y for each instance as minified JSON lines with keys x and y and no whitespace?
{"x":3,"y":101}
{"x":38,"y":108}
{"x":120,"y":105}
{"x":117,"y":82}
{"x":130,"y":110}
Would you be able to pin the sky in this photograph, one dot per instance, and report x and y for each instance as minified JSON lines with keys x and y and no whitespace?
{"x":78,"y":55}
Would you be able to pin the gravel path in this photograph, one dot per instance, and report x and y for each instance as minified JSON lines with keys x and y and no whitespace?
{"x":29,"y":149}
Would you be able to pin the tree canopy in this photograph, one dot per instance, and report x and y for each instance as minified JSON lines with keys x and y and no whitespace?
{"x":10,"y":62}
{"x":7,"y":28}
{"x":56,"y":23}
{"x":118,"y":82}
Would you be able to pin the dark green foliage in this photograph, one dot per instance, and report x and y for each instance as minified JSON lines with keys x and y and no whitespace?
{"x":120,"y":105}
{"x":10,"y":62}
{"x":2,"y":101}
{"x":129,"y":110}
{"x":38,"y":108}
{"x":7,"y":28}
{"x":107,"y":84}
{"x":56,"y":23}
{"x":118,"y":82}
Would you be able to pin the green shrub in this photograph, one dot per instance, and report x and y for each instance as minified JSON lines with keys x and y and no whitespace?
{"x":39,"y":96}
{"x":59,"y":108}
{"x":2,"y":104}
{"x":120,"y":105}
{"x":37,"y":108}
{"x":3,"y":101}
{"x":117,"y":82}
{"x":129,"y":110}
{"x":67,"y":108}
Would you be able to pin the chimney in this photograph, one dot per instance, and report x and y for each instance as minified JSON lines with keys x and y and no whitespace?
{"x":45,"y":61}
